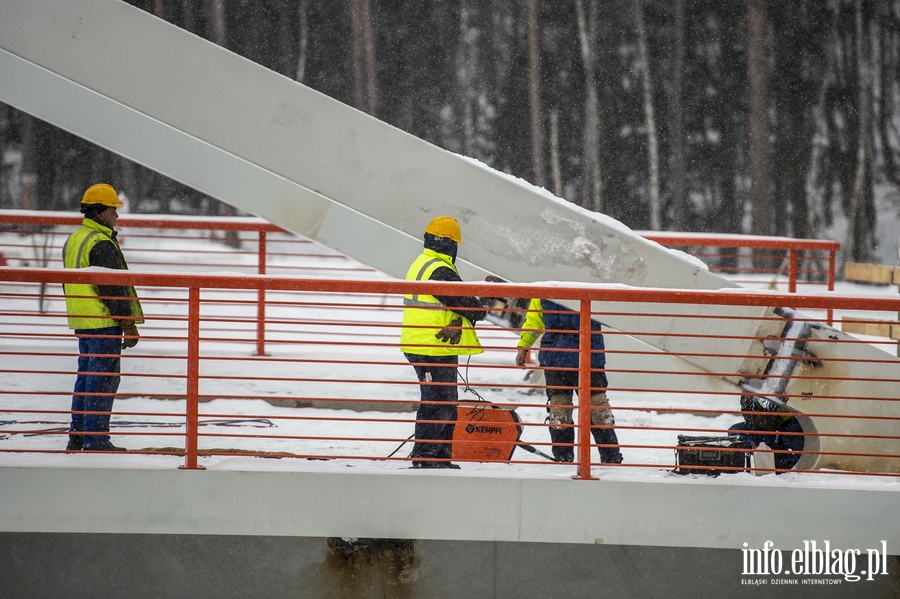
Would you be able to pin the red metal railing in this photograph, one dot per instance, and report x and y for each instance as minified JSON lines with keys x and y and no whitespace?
{"x":215,"y":257}
{"x":800,"y":256}
{"x":794,"y":258}
{"x":336,"y":346}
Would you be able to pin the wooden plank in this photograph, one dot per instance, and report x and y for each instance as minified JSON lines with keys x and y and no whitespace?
{"x":871,"y":273}
{"x":866,"y":327}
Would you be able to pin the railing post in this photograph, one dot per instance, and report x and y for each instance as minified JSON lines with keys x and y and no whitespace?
{"x":261,"y":300}
{"x":193,"y":381}
{"x":583,"y":431}
{"x":793,"y":268}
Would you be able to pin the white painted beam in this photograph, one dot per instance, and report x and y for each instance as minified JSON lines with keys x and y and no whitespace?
{"x":226,"y":126}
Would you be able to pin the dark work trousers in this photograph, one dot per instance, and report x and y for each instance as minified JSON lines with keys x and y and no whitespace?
{"x":569,"y":378}
{"x":438,"y":403}
{"x":786,"y":447}
{"x":99,"y":363}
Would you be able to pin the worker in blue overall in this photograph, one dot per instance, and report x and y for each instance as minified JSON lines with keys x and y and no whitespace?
{"x":767,"y":422}
{"x":559,"y":358}
{"x":104,"y":318}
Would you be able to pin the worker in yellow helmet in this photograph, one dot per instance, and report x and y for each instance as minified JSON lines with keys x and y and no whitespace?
{"x":437,"y":330}
{"x":104,"y":317}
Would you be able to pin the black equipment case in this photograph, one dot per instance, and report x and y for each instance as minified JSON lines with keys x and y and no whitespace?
{"x":711,"y":455}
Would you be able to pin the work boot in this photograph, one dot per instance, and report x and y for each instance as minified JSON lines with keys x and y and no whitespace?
{"x":110,"y":447}
{"x":607,"y":436}
{"x":105,"y":446}
{"x":76,"y":443}
{"x":563,"y":440}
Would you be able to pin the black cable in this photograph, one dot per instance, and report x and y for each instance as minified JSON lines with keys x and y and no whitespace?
{"x":465,"y":380}
{"x":401,"y":445}
{"x":526,"y":447}
{"x":133,"y":423}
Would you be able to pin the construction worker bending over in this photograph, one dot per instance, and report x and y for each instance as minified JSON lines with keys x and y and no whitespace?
{"x":437,"y":330}
{"x":104,"y":317}
{"x":767,"y":423}
{"x":559,"y":359}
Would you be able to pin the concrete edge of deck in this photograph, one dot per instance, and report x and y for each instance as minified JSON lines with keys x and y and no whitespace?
{"x":328,"y":500}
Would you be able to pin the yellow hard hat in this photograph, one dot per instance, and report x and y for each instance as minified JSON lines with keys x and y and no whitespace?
{"x":101,"y":193}
{"x":445,"y":226}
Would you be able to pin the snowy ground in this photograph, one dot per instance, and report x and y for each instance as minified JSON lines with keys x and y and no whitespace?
{"x":310,"y":341}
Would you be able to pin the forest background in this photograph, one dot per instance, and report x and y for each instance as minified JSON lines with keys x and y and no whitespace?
{"x":768,"y":117}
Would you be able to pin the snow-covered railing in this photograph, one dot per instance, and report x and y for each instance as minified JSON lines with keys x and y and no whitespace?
{"x":812,"y":261}
{"x":245,"y":244}
{"x":250,"y":244}
{"x":334,"y":343}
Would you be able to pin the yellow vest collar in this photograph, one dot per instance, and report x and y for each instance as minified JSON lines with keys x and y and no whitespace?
{"x":439,"y":256}
{"x":92,"y":224}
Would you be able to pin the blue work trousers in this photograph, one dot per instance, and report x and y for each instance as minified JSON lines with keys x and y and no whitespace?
{"x":99,"y":365}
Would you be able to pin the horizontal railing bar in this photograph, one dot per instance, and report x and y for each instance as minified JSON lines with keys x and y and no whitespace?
{"x":597,"y":292}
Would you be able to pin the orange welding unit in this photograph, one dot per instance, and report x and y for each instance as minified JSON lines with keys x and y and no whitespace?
{"x":485,"y":433}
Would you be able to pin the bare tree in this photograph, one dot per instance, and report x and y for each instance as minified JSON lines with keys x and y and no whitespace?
{"x":215,"y":16}
{"x":884,"y":49}
{"x":760,"y":220}
{"x":814,"y":192}
{"x":29,"y":172}
{"x":534,"y":92}
{"x":128,"y":183}
{"x":676,"y":126}
{"x":591,"y":182}
{"x":303,"y":11}
{"x":555,"y":171}
{"x":858,"y":217}
{"x":285,"y":39}
{"x":817,"y":184}
{"x":98,"y":164}
{"x":464,"y":80}
{"x":650,"y":117}
{"x":364,"y":86}
{"x":187,"y":11}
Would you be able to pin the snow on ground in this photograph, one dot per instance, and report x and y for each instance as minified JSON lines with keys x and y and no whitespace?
{"x":310,"y":340}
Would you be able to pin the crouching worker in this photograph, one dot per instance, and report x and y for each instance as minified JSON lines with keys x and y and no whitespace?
{"x":104,"y":317}
{"x":767,"y":422}
{"x":436,"y":330}
{"x":559,"y":359}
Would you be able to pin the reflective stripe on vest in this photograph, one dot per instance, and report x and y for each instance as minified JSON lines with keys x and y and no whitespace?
{"x":414,"y":300}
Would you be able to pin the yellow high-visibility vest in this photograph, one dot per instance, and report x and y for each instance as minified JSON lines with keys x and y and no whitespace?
{"x":424,"y":315}
{"x":83,"y":306}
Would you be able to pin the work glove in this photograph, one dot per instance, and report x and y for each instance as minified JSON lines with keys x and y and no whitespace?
{"x":522,"y":356}
{"x":131,"y":335}
{"x":452,"y":332}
